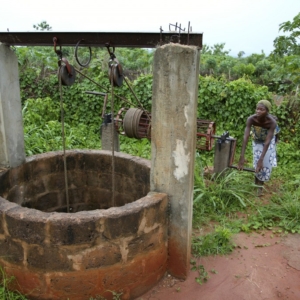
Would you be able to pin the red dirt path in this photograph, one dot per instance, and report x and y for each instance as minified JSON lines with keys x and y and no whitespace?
{"x":262,"y":267}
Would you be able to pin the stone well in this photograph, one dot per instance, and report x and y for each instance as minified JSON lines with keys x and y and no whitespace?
{"x":97,"y":248}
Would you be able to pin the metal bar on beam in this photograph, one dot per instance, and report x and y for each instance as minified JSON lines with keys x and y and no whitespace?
{"x":100,"y":39}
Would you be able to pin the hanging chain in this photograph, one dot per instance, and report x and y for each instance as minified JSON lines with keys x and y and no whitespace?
{"x":63,"y":138}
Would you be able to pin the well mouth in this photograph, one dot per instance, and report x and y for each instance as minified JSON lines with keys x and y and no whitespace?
{"x":40,"y":183}
{"x":102,"y":246}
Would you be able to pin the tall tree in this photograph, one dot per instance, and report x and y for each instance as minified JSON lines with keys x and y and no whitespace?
{"x":287,"y":51}
{"x":43,"y":26}
{"x":288,"y":44}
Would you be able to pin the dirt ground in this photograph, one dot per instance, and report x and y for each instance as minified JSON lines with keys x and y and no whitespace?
{"x":263,"y":266}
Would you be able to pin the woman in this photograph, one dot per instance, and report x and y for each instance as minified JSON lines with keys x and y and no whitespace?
{"x":263,"y":128}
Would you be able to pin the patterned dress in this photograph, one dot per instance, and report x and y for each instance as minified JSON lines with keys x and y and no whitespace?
{"x":259,"y":135}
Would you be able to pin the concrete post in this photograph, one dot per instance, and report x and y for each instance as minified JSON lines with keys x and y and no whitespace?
{"x":173,"y":144}
{"x":12,"y":150}
{"x":106,"y":137}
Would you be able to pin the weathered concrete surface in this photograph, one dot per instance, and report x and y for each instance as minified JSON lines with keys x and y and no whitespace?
{"x":76,"y":256}
{"x":12,"y":151}
{"x":173,"y":142}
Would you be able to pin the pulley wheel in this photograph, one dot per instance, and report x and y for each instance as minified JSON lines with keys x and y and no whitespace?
{"x":66,"y":78}
{"x":116,"y":75}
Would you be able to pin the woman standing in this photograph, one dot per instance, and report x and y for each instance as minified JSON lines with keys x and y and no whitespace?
{"x":262,"y":126}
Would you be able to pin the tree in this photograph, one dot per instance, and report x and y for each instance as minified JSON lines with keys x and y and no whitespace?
{"x":43,"y":26}
{"x":218,"y":49}
{"x":287,"y":51}
{"x":241,"y":54}
{"x":288,"y":44}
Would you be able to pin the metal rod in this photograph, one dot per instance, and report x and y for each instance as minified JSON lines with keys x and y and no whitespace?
{"x":98,"y":39}
{"x":218,"y":137}
{"x":244,"y":169}
{"x":96,"y":93}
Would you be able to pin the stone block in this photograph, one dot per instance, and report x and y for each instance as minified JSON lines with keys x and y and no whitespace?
{"x":55,"y":181}
{"x":77,"y":178}
{"x":46,"y":202}
{"x":16,"y":194}
{"x":72,"y":284}
{"x":123,"y":225}
{"x":31,"y":231}
{"x":97,"y":163}
{"x":48,"y":258}
{"x":105,"y":255}
{"x":157,"y":212}
{"x":33,"y":188}
{"x":122,"y":199}
{"x":144,"y":243}
{"x":76,"y":196}
{"x":105,"y":180}
{"x":98,"y":197}
{"x":5,"y":183}
{"x":44,"y":165}
{"x":20,"y":174}
{"x":11,"y":251}
{"x":93,"y":179}
{"x":72,"y":230}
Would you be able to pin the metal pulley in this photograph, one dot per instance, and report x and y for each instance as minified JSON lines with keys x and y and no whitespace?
{"x":115,"y":70}
{"x":115,"y":73}
{"x":67,"y":74}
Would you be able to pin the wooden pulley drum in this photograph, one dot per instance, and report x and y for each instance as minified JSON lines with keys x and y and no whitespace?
{"x":136,"y":124}
{"x":67,"y":74}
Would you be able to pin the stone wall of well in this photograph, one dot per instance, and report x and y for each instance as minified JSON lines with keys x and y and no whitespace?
{"x":55,"y":255}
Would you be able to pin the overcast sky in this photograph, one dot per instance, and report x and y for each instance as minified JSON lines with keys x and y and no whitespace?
{"x":243,"y":25}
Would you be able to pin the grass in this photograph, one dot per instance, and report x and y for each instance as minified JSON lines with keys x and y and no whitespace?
{"x":228,"y":204}
{"x":5,"y":293}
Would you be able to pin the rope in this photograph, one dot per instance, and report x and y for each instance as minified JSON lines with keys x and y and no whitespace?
{"x":112,"y":145}
{"x":63,"y":139}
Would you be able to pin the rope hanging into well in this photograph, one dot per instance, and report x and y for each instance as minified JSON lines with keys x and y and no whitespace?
{"x":112,"y":145}
{"x":63,"y":139}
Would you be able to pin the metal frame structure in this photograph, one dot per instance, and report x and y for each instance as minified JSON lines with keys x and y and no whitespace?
{"x":101,"y":39}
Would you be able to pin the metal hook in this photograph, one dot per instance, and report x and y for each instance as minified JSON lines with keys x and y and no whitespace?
{"x":111,"y":53}
{"x":76,"y":56}
{"x":58,"y":52}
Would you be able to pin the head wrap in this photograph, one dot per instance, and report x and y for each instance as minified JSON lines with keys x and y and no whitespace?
{"x":266,"y":103}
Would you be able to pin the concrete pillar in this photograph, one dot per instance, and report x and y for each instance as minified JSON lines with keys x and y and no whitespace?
{"x":173,"y":144}
{"x":12,"y":150}
{"x":106,"y":137}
